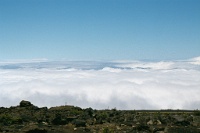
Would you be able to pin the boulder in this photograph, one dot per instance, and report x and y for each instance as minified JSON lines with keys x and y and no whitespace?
{"x":24,"y":103}
{"x":79,"y":123}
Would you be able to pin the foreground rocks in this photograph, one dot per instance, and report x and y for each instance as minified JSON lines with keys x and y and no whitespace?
{"x":28,"y":118}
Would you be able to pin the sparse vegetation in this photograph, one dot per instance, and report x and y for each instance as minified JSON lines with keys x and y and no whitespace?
{"x":197,"y":112}
{"x":67,"y":119}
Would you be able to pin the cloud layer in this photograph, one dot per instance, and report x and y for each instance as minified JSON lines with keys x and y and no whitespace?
{"x":120,"y":84}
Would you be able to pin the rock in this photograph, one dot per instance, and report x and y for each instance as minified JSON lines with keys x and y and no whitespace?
{"x":79,"y":123}
{"x":70,"y":119}
{"x":143,"y":128}
{"x":160,"y":132}
{"x":94,"y":120}
{"x":158,"y":129}
{"x":166,"y":129}
{"x":37,"y":131}
{"x":122,"y":125}
{"x":182,"y":123}
{"x":178,"y":118}
{"x":87,"y":129}
{"x":24,"y":103}
{"x":44,"y":123}
{"x":159,"y":122}
{"x":69,"y":126}
{"x":150,"y":122}
{"x":118,"y":128}
{"x":58,"y":120}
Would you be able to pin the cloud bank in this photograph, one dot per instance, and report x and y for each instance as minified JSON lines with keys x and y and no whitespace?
{"x":100,"y":85}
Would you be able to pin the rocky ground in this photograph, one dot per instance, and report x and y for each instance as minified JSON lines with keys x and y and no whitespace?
{"x":28,"y":118}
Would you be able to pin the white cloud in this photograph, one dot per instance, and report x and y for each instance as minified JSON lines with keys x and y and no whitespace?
{"x":195,"y":61}
{"x":164,"y":85}
{"x":149,"y":65}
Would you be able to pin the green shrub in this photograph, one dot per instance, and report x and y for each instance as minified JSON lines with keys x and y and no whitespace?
{"x":7,"y":120}
{"x":107,"y":130}
{"x":197,"y":112}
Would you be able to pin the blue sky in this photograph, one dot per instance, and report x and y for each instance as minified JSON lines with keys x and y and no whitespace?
{"x":99,"y":29}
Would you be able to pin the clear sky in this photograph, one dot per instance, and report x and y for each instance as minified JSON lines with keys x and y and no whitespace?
{"x":99,"y":29}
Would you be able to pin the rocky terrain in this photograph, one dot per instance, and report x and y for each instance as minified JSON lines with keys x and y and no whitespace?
{"x":28,"y":118}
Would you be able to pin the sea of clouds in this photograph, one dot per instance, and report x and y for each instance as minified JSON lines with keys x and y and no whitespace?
{"x":102,"y":85}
